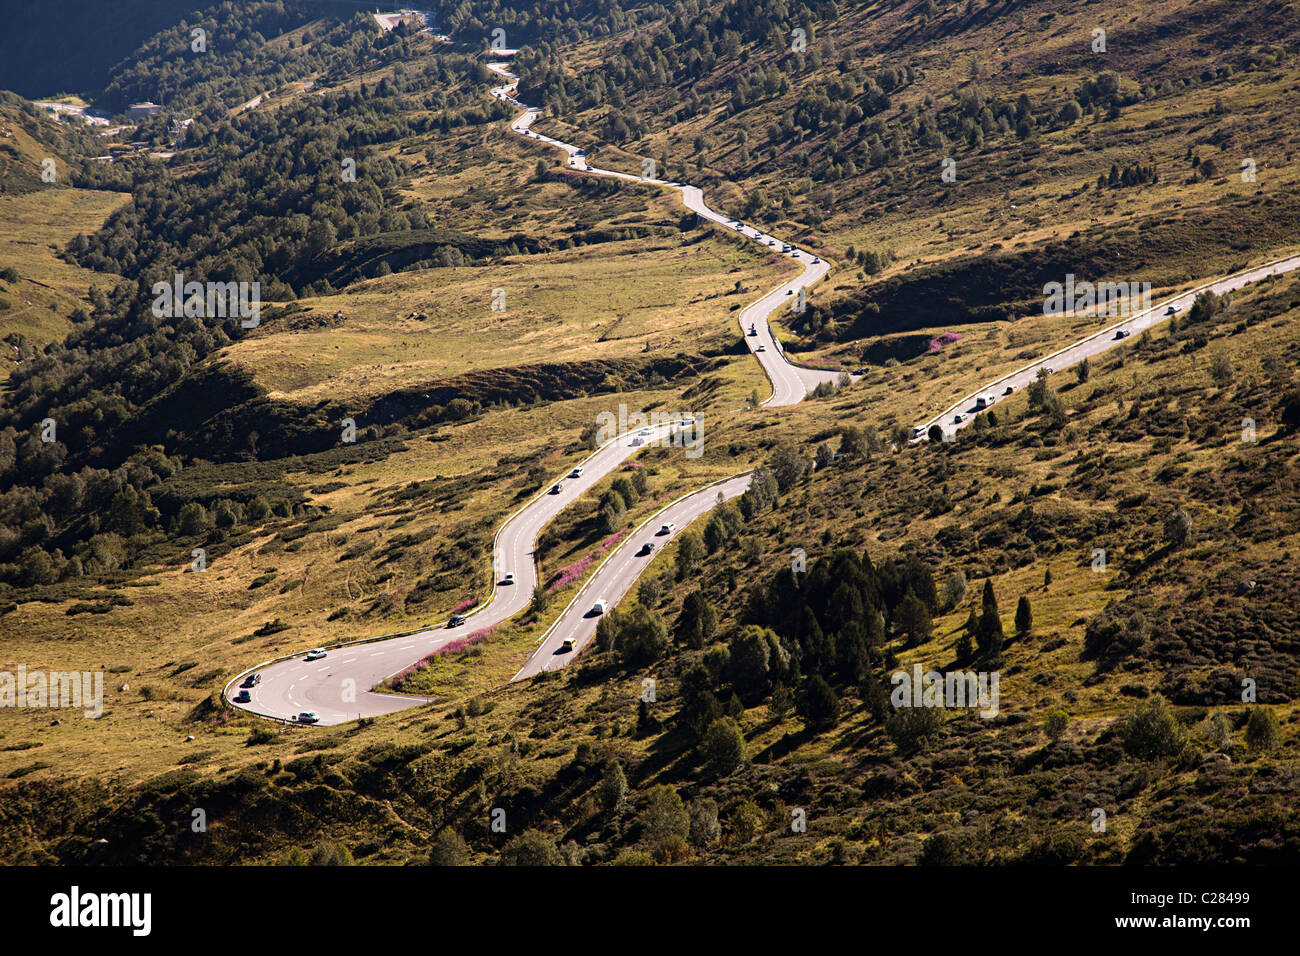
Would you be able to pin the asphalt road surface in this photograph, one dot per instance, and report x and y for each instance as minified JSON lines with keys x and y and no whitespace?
{"x":337,"y":687}
{"x":1112,"y":335}
{"x":790,"y":382}
{"x":615,"y":577}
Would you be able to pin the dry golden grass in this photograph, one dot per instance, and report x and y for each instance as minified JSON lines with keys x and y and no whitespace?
{"x":32,"y":228}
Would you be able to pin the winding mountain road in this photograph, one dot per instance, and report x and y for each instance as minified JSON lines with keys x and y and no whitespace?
{"x":337,"y":687}
{"x":1091,"y":346}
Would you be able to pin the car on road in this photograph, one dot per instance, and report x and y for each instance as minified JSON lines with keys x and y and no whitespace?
{"x":252,"y":680}
{"x":456,"y":620}
{"x":958,"y":418}
{"x":816,"y":260}
{"x":509,"y":578}
{"x":753,"y":329}
{"x":647,"y":548}
{"x":644,"y":431}
{"x":667,"y":528}
{"x":636,"y":442}
{"x":1122,"y":333}
{"x":600,"y":606}
{"x":576,"y":473}
{"x":1172,"y":310}
{"x":789,"y":291}
{"x":1008,"y":390}
{"x":917,"y":431}
{"x":555,"y":488}
{"x":243,"y":697}
{"x":761,"y":347}
{"x":569,"y":644}
{"x":315,"y":654}
{"x":688,"y":420}
{"x":308,"y":717}
{"x":984,"y":401}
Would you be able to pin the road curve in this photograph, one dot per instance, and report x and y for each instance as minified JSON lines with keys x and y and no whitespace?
{"x":337,"y":687}
{"x":790,"y":382}
{"x":616,"y":575}
{"x":1093,"y":345}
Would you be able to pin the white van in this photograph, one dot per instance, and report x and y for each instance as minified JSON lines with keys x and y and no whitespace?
{"x":984,"y":401}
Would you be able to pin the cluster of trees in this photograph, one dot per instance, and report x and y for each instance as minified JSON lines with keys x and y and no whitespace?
{"x":1134,"y":174}
{"x":63,"y":524}
{"x":274,"y":194}
{"x":622,"y":493}
{"x":166,"y":69}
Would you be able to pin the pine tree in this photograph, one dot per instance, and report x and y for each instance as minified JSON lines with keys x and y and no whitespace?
{"x":1024,"y":617}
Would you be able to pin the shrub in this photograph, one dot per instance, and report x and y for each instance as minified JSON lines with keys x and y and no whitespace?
{"x":1262,"y":729}
{"x":914,"y":728}
{"x":449,"y":849}
{"x":819,"y":706}
{"x":1151,"y":731}
{"x":723,"y":747}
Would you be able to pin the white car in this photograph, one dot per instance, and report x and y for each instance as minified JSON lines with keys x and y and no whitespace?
{"x":315,"y":655}
{"x":667,"y":528}
{"x":1172,"y":310}
{"x":644,"y":431}
{"x":308,"y":717}
{"x":576,"y":473}
{"x":958,"y":418}
{"x":688,"y":420}
{"x":509,"y":578}
{"x":761,"y":348}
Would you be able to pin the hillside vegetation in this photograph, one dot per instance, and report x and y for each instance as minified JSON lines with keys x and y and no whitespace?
{"x":1115,"y":543}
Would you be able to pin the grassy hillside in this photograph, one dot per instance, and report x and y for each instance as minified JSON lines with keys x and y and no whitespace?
{"x":1020,"y":503}
{"x":1115,"y":543}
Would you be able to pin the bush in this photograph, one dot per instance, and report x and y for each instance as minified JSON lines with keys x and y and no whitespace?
{"x":723,"y":747}
{"x":449,"y":849}
{"x":940,"y":850}
{"x":1151,"y":731}
{"x":705,"y":828}
{"x":531,"y":848}
{"x":914,"y":728}
{"x":330,"y":854}
{"x":819,"y":706}
{"x":1262,"y":729}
